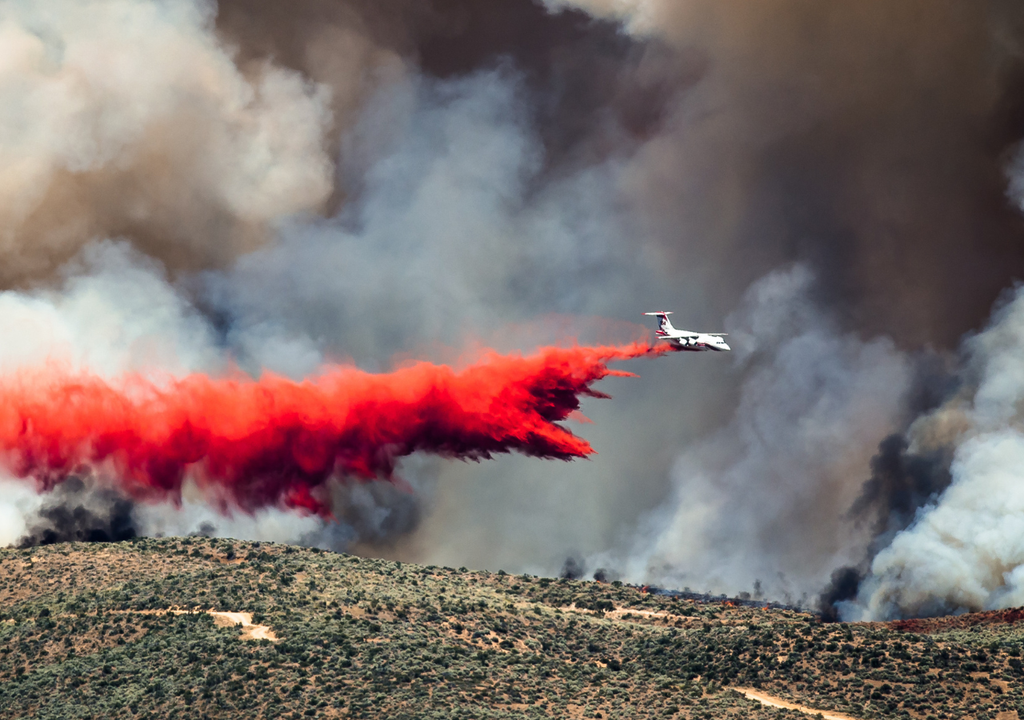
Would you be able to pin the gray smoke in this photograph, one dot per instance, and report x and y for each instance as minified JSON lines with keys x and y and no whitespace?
{"x":456,"y":234}
{"x":79,"y":511}
{"x":129,"y":118}
{"x":962,"y":551}
{"x":767,"y":496}
{"x":461,"y":235}
{"x":275,"y":187}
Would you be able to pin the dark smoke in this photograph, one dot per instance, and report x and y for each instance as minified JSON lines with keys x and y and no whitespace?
{"x":573,"y":569}
{"x":866,"y":137}
{"x":79,"y":511}
{"x":372,"y":517}
{"x":901,"y":484}
{"x":593,"y":89}
{"x":386,"y":514}
{"x":843,"y":586}
{"x":205,"y":529}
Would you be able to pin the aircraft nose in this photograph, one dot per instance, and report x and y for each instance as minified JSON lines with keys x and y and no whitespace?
{"x":724,"y":346}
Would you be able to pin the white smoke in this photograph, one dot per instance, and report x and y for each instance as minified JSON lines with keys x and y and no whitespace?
{"x":455,"y":232}
{"x":965,"y":551}
{"x":18,"y":502}
{"x":1015,"y":178}
{"x":195,"y":515}
{"x":766,"y":497}
{"x":129,"y":117}
{"x":113,"y":313}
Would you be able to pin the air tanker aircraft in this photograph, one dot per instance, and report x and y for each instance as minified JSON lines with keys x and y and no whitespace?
{"x":685,"y":340}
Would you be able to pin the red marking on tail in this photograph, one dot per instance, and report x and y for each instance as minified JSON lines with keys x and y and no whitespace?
{"x":274,"y":441}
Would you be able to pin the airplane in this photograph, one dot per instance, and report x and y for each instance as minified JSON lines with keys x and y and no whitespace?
{"x":685,"y":340}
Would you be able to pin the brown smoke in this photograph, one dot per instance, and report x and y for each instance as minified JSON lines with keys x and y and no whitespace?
{"x":594,"y":90}
{"x":133,"y":120}
{"x":584,"y":157}
{"x":867,"y":137}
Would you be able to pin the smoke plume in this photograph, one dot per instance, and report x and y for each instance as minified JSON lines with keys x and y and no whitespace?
{"x":882,"y":168}
{"x":765,"y":497}
{"x":226,"y":202}
{"x":961,"y":552}
{"x":78,"y":511}
{"x":129,"y":118}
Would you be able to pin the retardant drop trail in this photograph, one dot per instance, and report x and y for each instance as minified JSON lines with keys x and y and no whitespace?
{"x":275,"y":441}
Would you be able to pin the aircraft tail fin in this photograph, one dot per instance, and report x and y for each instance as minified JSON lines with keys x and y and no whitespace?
{"x":664,"y":324}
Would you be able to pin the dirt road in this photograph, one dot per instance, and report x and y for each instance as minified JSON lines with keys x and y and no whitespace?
{"x":771,"y":701}
{"x":223,"y":619}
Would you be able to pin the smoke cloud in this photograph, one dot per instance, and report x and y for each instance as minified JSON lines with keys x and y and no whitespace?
{"x":79,"y":512}
{"x":962,"y":550}
{"x":856,"y":163}
{"x":246,"y":193}
{"x":453,"y":237}
{"x":129,"y":118}
{"x":876,"y":167}
{"x":766,"y":496}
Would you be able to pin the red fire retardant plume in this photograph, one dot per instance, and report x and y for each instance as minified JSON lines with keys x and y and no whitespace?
{"x":275,"y":441}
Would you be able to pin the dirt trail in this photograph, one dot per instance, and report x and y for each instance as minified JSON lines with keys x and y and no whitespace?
{"x":621,"y":613}
{"x":249,"y":631}
{"x":222,"y":619}
{"x":775,"y":702}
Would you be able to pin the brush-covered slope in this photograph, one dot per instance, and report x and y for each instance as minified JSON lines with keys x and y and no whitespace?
{"x":108,"y":631}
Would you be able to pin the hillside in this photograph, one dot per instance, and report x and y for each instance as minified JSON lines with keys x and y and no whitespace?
{"x":124,"y":630}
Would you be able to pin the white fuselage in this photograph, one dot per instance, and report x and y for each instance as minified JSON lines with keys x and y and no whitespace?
{"x":695,"y":342}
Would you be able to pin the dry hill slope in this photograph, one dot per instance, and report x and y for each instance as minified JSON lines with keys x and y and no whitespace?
{"x":125,"y":631}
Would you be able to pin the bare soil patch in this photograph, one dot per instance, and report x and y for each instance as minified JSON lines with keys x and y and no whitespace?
{"x":772,"y":701}
{"x":249,"y":631}
{"x":222,"y":619}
